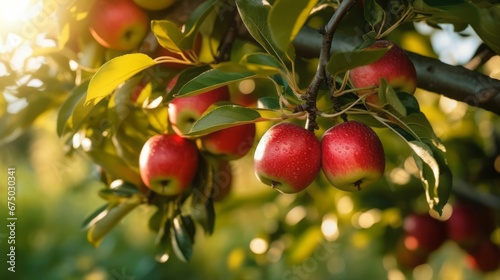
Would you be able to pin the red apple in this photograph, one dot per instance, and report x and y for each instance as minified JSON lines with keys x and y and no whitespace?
{"x":426,"y":232}
{"x":183,"y":112}
{"x":288,"y":158}
{"x":395,"y":67}
{"x":168,"y":163}
{"x":230,"y":143}
{"x":464,"y":225}
{"x":485,"y":257}
{"x":407,"y":257}
{"x":352,"y":156}
{"x":179,"y":66}
{"x":118,"y":24}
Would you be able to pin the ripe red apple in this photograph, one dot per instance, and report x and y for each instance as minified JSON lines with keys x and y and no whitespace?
{"x":168,"y":163}
{"x":154,"y":5}
{"x":288,"y":158}
{"x":409,"y":258}
{"x":352,"y":156}
{"x":118,"y":24}
{"x":183,"y":112}
{"x":178,"y":66}
{"x":464,"y":226}
{"x":485,"y":257}
{"x":230,"y":143}
{"x":223,"y":179}
{"x":426,"y":232}
{"x":395,"y":67}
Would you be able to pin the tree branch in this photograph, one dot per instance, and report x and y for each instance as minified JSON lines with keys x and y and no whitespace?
{"x":324,"y":56}
{"x":455,"y":82}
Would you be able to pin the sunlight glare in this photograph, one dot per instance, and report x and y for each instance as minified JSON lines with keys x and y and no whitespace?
{"x":13,"y":10}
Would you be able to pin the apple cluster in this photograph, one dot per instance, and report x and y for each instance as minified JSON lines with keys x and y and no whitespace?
{"x":289,"y":157}
{"x":470,"y":226}
{"x":169,"y":162}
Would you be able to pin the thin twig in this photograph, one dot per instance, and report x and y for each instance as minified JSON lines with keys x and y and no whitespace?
{"x":324,"y":57}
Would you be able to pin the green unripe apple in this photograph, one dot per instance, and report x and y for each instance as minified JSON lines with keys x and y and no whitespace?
{"x":352,"y":156}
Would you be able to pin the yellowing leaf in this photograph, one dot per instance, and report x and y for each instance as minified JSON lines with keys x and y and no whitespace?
{"x":115,"y":72}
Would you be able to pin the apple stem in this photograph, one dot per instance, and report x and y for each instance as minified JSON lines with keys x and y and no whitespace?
{"x":324,"y":57}
{"x":274,"y":184}
{"x":357,"y":184}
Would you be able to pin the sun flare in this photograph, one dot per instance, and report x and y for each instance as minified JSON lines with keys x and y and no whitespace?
{"x":13,"y":11}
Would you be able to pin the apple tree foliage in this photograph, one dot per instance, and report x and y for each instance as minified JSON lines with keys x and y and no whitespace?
{"x":245,"y":39}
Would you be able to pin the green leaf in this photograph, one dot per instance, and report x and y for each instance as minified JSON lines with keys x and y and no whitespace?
{"x":420,"y":126}
{"x":202,"y":206}
{"x":185,"y":76}
{"x":429,"y":170}
{"x":229,"y":115}
{"x":115,"y":166}
{"x":387,"y":95}
{"x":410,"y":102}
{"x":182,"y":241}
{"x":343,"y":61}
{"x":119,"y":105}
{"x":367,"y":119}
{"x":286,"y":18}
{"x":256,"y":69}
{"x":91,"y":219}
{"x":110,"y":217}
{"x":254,"y":14}
{"x":212,"y":79}
{"x":118,"y":191}
{"x":163,"y":239}
{"x":67,"y":108}
{"x":261,"y":59}
{"x":268,"y":102}
{"x":445,"y":180}
{"x":488,"y":25}
{"x":115,"y":72}
{"x":373,"y":12}
{"x":197,"y":19}
{"x":168,"y":34}
{"x":155,"y":222}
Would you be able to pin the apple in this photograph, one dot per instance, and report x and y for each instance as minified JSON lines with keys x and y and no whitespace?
{"x":223,"y":179}
{"x":118,"y":24}
{"x":464,"y":225}
{"x":485,"y":257}
{"x":287,"y":157}
{"x":352,"y":156}
{"x":154,"y":5}
{"x":183,"y":112}
{"x":230,"y":143}
{"x":425,"y":232}
{"x":179,"y":66}
{"x":168,"y":163}
{"x":395,"y":67}
{"x":409,"y":258}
